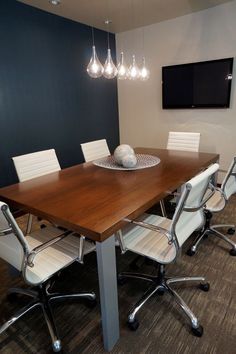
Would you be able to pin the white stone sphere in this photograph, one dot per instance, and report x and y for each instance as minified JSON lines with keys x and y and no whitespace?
{"x":121,"y":151}
{"x":129,"y":160}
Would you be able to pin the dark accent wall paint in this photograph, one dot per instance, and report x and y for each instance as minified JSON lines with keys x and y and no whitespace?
{"x":47,"y":100}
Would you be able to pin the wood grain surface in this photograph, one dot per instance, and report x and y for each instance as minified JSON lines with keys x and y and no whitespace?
{"x":92,"y":200}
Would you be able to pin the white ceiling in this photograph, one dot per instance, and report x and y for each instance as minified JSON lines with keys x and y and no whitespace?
{"x":124,"y":14}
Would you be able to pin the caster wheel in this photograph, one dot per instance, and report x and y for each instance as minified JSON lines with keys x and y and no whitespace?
{"x":231,"y":231}
{"x":160,"y":292}
{"x":232,"y":252}
{"x":91,"y":303}
{"x":56,"y":346}
{"x":190,"y":252}
{"x":121,"y":280}
{"x":134,"y":325}
{"x":12,"y":297}
{"x":204,"y":287}
{"x":198,"y":332}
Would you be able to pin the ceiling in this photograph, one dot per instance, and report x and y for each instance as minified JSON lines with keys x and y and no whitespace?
{"x":124,"y":14}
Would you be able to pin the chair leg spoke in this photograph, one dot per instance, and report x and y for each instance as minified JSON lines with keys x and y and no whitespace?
{"x":56,"y":343}
{"x":184,"y":279}
{"x":18,"y":315}
{"x":147,"y":277}
{"x":61,"y":296}
{"x":149,"y":293}
{"x":193,"y":319}
{"x":224,"y":238}
{"x":21,"y":291}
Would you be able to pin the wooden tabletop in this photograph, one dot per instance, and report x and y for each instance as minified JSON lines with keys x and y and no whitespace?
{"x":93,"y":200}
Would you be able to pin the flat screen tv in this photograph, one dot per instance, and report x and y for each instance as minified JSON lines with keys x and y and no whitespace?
{"x":197,"y":85}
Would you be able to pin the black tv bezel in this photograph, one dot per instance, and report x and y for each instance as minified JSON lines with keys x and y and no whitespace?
{"x":227,"y":105}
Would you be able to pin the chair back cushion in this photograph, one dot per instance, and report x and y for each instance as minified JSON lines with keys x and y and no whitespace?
{"x":229,"y":182}
{"x":95,"y":150}
{"x":36,"y":164}
{"x":183,"y":141}
{"x":184,"y":223}
{"x":11,"y":245}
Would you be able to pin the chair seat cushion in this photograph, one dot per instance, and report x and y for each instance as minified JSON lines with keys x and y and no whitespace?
{"x":53,"y":258}
{"x":216,"y":202}
{"x":153,"y":245}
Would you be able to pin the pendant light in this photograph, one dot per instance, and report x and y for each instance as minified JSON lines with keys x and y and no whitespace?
{"x":144,"y":72}
{"x":110,"y":70}
{"x":122,"y":68}
{"x":94,"y":68}
{"x":133,"y":73}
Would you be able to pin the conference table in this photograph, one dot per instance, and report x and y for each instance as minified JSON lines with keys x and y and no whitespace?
{"x":93,"y":201}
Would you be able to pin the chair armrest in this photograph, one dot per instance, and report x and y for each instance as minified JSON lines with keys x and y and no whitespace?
{"x":42,"y":247}
{"x":221,"y":170}
{"x":6,"y":232}
{"x":202,"y":204}
{"x":151,"y":227}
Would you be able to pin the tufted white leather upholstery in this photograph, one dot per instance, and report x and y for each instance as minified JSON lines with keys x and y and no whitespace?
{"x":36,"y":164}
{"x":184,"y":141}
{"x":95,"y":150}
{"x":155,"y":245}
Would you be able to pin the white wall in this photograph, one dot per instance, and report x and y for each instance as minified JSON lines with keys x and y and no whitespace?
{"x":206,"y":35}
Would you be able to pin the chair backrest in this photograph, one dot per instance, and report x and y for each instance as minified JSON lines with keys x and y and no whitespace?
{"x":36,"y":164}
{"x":189,"y":214}
{"x":184,"y":141}
{"x":229,"y":183}
{"x":94,"y":150}
{"x":13,"y":244}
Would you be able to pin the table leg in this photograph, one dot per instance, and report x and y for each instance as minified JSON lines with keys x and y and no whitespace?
{"x":106,"y":260}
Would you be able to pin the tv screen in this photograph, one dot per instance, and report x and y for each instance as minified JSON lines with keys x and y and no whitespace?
{"x":197,"y":85}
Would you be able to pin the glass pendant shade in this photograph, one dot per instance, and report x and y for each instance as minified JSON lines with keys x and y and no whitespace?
{"x":122,"y":68}
{"x":144,"y":72}
{"x":110,"y":70}
{"x":94,"y":68}
{"x":133,"y":72}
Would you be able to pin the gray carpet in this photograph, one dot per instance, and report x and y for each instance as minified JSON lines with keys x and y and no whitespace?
{"x":163,"y":329}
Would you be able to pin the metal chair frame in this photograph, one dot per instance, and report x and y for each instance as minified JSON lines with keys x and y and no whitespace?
{"x":209,"y":229}
{"x":161,"y":283}
{"x":41,"y":296}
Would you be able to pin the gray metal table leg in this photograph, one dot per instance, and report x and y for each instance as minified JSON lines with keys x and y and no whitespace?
{"x":106,"y":260}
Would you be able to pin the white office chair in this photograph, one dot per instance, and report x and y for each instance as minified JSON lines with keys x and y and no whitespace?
{"x":216,"y":204}
{"x":38,"y":256}
{"x":38,"y":164}
{"x":94,"y":150}
{"x":160,"y":239}
{"x":185,"y":141}
{"x":182,"y":141}
{"x":34,"y":165}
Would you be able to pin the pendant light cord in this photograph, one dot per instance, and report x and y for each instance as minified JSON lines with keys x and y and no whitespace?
{"x":108,"y":37}
{"x":92,"y":35}
{"x":143,"y":27}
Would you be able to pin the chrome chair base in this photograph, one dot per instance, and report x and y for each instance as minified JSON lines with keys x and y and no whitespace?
{"x":213,"y":230}
{"x":43,"y":299}
{"x":160,"y":285}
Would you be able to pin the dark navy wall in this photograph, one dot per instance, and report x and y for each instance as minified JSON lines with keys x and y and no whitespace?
{"x":47,"y":100}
